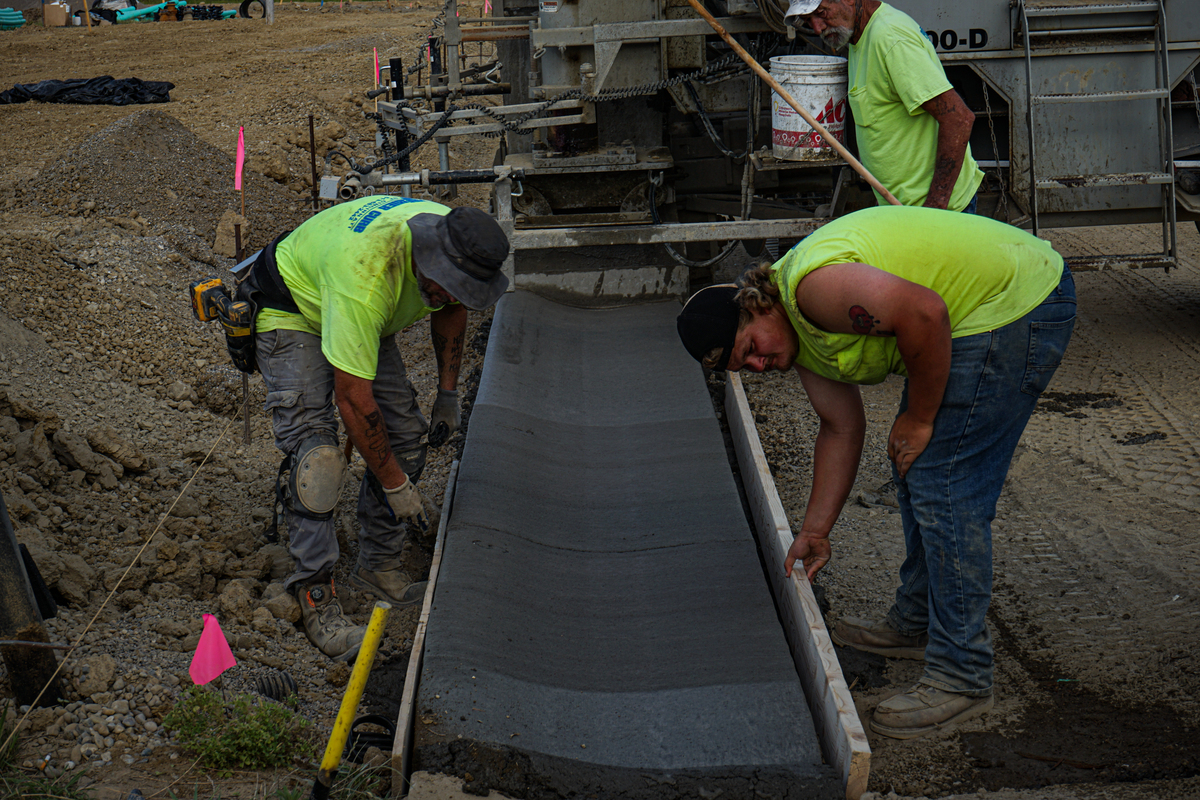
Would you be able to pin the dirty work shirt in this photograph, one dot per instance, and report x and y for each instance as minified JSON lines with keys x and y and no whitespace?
{"x":989,"y":274}
{"x":893,"y":69}
{"x":349,"y":269}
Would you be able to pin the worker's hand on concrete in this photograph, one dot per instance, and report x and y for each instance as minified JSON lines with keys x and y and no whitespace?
{"x":405,"y":502}
{"x":445,"y":412}
{"x":908,"y":439}
{"x":810,"y":549}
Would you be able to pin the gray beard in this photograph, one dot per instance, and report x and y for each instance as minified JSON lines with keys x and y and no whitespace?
{"x":836,"y":38}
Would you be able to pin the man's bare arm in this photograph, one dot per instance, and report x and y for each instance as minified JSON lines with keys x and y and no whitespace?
{"x":955,"y":121}
{"x":859,"y":298}
{"x":365,"y":425}
{"x":448,"y":329}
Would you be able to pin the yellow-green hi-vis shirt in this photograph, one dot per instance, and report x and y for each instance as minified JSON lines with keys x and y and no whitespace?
{"x":349,"y":270}
{"x":893,"y":71}
{"x":989,"y":274}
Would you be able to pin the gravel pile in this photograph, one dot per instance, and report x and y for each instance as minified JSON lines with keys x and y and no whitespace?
{"x":148,"y":173}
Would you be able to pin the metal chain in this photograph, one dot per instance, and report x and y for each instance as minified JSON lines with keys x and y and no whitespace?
{"x":423,"y":51}
{"x":729,"y":63}
{"x":726,"y":67}
{"x":1195,"y":94}
{"x":987,"y":105}
{"x":408,"y":150}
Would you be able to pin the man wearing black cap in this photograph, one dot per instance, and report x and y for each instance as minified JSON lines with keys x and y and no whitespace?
{"x":976,"y":316}
{"x":331,"y":296}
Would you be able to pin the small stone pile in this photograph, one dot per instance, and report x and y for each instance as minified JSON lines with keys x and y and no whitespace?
{"x":117,"y":722}
{"x":149,"y":173}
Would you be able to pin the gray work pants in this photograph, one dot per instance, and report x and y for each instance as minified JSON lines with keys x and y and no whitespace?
{"x":300,"y":398}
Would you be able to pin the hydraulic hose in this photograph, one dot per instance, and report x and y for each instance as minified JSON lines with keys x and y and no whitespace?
{"x":708,"y":73}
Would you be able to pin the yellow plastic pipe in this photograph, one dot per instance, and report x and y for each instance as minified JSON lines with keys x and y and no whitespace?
{"x":807,"y":117}
{"x":354,"y":691}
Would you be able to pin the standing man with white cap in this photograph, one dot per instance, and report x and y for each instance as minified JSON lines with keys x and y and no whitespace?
{"x":330,"y":297}
{"x":912,"y":127}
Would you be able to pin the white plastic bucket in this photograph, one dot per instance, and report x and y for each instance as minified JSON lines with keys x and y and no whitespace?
{"x":818,"y":85}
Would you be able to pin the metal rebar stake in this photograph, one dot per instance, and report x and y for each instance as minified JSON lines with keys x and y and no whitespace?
{"x":237,"y":243}
{"x":246,"y":408}
{"x":312,"y":156}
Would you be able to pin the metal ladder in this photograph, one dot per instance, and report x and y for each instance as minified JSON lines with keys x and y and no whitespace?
{"x":1165,"y":176}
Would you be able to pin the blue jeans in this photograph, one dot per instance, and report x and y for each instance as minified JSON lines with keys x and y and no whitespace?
{"x":300,"y":398}
{"x":973,"y":206}
{"x":948,"y":498}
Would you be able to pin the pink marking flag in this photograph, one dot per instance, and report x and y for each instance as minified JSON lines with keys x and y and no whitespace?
{"x":241,"y":160}
{"x":213,"y":655}
{"x":376,"y":49}
{"x":487,"y":7}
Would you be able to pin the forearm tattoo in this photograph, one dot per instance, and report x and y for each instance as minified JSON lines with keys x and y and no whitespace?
{"x":947,"y":165}
{"x":377,"y":436}
{"x":448,"y":352}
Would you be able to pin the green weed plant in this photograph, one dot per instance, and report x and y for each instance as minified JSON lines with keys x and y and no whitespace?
{"x":246,"y":733}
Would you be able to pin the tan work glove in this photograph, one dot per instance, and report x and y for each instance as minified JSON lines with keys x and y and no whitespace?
{"x":405,"y":502}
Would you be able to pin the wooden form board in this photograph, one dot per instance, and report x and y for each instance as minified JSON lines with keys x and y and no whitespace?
{"x":843,"y":740}
{"x":402,"y":745}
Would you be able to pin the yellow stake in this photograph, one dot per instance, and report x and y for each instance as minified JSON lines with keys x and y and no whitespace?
{"x":354,"y":690}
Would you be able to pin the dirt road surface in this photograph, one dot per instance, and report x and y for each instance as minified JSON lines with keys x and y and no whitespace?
{"x":108,"y":212}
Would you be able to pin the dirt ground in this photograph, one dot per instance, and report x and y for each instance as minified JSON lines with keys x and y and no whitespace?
{"x":109,"y":212}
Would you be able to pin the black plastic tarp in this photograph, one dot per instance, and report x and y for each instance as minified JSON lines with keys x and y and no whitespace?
{"x":105,"y":90}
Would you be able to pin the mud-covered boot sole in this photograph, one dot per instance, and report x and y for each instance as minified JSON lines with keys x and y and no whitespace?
{"x":967,"y":713}
{"x":367,"y":586}
{"x":349,"y":655}
{"x":913,"y":653}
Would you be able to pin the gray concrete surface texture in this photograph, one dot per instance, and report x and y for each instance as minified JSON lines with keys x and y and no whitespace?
{"x":601,"y":623}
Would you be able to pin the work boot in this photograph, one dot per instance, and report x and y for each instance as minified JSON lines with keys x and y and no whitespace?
{"x":326,"y":623}
{"x":924,"y":709}
{"x":392,"y":585}
{"x":878,"y":637}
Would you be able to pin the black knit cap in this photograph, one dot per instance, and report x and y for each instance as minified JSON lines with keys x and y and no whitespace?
{"x":463,"y":252}
{"x":710,"y":319}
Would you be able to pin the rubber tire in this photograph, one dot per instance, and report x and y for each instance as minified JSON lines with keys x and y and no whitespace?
{"x":244,"y":9}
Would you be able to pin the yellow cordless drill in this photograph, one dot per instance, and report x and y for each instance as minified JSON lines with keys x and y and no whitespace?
{"x":211,"y":300}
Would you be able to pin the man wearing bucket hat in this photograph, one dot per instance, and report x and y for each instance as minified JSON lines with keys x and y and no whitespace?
{"x":976,"y":315}
{"x":331,"y":296}
{"x":912,"y":128}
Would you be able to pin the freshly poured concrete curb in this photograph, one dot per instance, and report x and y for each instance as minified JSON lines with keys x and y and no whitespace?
{"x":601,"y":623}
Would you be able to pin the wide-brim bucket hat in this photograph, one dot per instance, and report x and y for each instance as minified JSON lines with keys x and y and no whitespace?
{"x":462,"y":252}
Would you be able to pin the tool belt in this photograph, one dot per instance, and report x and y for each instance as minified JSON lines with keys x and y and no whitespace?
{"x":262,"y":287}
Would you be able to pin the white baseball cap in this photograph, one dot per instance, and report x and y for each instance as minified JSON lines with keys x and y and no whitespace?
{"x":797,"y":8}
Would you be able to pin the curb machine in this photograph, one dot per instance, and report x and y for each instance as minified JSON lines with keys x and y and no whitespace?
{"x":635,"y":149}
{"x":1086,"y":110}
